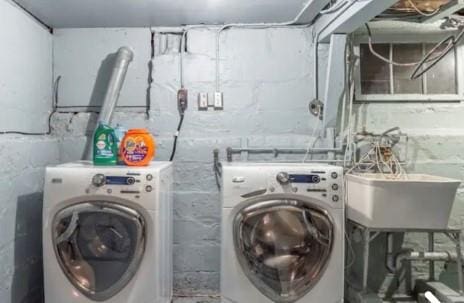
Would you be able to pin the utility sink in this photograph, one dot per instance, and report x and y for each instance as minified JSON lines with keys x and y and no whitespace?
{"x":413,"y":201}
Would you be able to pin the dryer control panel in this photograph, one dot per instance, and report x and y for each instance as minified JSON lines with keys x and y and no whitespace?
{"x":324,"y":184}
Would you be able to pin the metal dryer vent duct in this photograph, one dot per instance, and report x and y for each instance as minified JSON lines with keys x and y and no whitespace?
{"x":124,"y":57}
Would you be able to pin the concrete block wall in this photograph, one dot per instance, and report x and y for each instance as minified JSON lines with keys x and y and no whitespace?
{"x":25,"y":97}
{"x":266,"y":81}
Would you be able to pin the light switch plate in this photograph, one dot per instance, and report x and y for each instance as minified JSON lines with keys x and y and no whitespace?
{"x":203,"y":101}
{"x":218,"y":101}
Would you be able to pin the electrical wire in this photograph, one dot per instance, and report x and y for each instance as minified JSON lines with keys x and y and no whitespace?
{"x":217,"y":167}
{"x":176,"y":136}
{"x":420,"y":12}
{"x":313,"y":135}
{"x":450,"y":43}
{"x":48,"y":132}
{"x":50,"y":116}
{"x":429,"y":60}
{"x":390,"y":61}
{"x":333,"y":9}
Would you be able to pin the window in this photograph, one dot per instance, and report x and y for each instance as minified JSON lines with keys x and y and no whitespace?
{"x":381,"y":81}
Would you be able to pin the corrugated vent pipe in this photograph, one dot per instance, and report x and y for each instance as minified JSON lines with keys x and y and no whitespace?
{"x":124,"y":57}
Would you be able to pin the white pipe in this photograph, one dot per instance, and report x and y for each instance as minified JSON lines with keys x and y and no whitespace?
{"x":432,"y":299}
{"x":316,"y":46}
{"x":124,"y":57}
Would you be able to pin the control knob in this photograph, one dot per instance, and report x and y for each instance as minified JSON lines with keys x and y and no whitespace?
{"x":283,"y":178}
{"x":130,"y":181}
{"x":99,"y":180}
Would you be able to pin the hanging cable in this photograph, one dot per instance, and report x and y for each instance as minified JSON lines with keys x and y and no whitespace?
{"x":338,"y":5}
{"x":450,"y":43}
{"x":389,"y":61}
{"x":420,"y":12}
{"x":50,"y":116}
{"x":176,"y":137}
{"x":217,"y":167}
{"x":181,"y":102}
{"x":430,"y":59}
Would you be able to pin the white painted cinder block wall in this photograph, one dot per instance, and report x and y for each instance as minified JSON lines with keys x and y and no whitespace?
{"x":25,"y":97}
{"x":266,"y":79}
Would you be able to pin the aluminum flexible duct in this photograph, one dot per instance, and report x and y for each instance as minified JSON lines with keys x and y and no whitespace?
{"x":124,"y":57}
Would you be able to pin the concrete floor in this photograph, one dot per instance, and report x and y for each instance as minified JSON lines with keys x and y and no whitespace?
{"x":218,"y":300}
{"x":197,"y":300}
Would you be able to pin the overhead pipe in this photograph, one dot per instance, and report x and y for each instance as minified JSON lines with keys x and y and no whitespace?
{"x":124,"y":57}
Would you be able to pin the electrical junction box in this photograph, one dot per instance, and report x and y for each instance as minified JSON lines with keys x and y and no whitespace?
{"x":182,"y":99}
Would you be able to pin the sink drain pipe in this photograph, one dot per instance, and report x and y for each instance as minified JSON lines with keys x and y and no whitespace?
{"x":420,"y":256}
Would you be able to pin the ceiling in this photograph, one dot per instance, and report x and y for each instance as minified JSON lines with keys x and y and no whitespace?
{"x":141,"y":13}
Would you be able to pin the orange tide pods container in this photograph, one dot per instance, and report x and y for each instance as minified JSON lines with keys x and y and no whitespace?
{"x":138,"y":147}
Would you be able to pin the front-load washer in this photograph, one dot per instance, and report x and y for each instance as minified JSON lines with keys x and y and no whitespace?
{"x":107,"y":233}
{"x":282,"y":233}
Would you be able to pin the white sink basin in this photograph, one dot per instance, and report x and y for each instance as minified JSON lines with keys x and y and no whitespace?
{"x":414,"y":201}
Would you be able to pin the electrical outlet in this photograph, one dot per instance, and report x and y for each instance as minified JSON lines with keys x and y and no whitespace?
{"x":182,"y":100}
{"x":218,"y":101}
{"x":203,"y":101}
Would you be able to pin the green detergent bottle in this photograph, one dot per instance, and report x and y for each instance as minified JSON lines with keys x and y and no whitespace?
{"x":105,"y":146}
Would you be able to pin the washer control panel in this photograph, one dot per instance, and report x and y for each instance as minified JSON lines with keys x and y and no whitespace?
{"x":130,"y":184}
{"x":324,"y":184}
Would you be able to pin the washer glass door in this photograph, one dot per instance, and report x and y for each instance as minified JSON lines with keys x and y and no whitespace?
{"x":283,"y":245}
{"x":99,"y":246}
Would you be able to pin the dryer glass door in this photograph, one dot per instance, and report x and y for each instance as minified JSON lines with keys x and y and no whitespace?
{"x":99,"y":246}
{"x":283,"y":246}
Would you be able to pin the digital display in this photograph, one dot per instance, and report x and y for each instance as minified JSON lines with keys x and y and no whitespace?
{"x":305,"y":179}
{"x":116,"y":180}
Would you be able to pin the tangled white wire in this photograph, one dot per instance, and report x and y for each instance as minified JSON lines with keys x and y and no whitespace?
{"x":390,"y":168}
